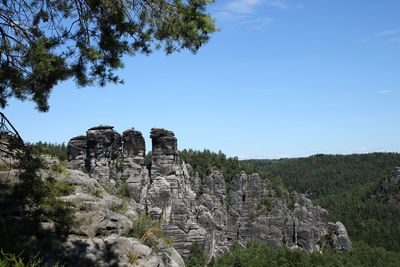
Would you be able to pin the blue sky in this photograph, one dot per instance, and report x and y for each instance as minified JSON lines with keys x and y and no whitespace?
{"x":280,"y":79}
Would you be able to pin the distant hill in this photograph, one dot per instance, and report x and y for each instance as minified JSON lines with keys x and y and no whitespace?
{"x":361,"y":190}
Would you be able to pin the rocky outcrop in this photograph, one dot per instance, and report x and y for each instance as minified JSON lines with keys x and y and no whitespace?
{"x":103,"y":149}
{"x":101,"y":233}
{"x":170,"y":198}
{"x":132,"y":168}
{"x":165,"y":153}
{"x":100,"y":236}
{"x":77,"y":150}
{"x":194,"y":208}
{"x":340,"y":238}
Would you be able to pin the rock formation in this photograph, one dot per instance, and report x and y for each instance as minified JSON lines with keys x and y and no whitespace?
{"x":132,"y":168}
{"x":103,"y":150}
{"x":100,"y":236}
{"x":77,"y":150}
{"x":202,"y":209}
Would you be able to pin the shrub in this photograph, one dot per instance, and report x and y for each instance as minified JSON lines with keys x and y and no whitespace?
{"x":120,"y":208}
{"x":125,"y":190}
{"x":150,"y":234}
{"x":141,"y":224}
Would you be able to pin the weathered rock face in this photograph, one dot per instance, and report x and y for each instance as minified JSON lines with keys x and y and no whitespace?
{"x":100,"y":237}
{"x":339,"y":237}
{"x":103,"y":148}
{"x":133,"y":144}
{"x":165,"y":152}
{"x":100,"y":234}
{"x":170,"y":198}
{"x":133,"y":170}
{"x":193,"y":208}
{"x":77,"y":149}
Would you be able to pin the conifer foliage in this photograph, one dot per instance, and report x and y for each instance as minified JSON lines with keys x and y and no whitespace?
{"x":43,"y":42}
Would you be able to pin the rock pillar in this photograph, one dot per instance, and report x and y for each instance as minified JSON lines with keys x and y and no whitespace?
{"x":134,"y":171}
{"x":165,"y":152}
{"x":103,"y":150}
{"x":77,"y":149}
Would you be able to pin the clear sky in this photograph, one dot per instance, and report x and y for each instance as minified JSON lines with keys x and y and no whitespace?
{"x":282,"y":78}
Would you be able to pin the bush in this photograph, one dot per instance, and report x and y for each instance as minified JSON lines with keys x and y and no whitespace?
{"x":141,"y":224}
{"x":150,"y":234}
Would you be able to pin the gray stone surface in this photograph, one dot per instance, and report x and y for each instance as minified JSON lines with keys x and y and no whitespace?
{"x":103,"y":150}
{"x":77,"y":149}
{"x":97,"y":239}
{"x":133,"y":170}
{"x":117,"y":251}
{"x":193,"y":208}
{"x":340,"y":238}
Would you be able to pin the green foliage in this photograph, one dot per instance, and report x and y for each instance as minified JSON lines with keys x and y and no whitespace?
{"x":43,"y":193}
{"x":119,"y":162}
{"x":228,"y":200}
{"x":290,"y":203}
{"x":252,"y":216}
{"x":256,"y":255}
{"x":265,"y":204}
{"x":141,"y":224}
{"x":148,"y":231}
{"x":197,"y":258}
{"x":11,"y":260}
{"x":108,"y":189}
{"x":58,"y":168}
{"x":125,"y":190}
{"x":44,"y":44}
{"x":203,"y":163}
{"x":4,"y":167}
{"x":120,"y":208}
{"x":52,"y":207}
{"x":349,"y":187}
{"x":61,"y":188}
{"x":199,"y":192}
{"x":58,"y":151}
{"x":367,"y":216}
{"x":119,"y":190}
{"x":148,"y":159}
{"x":38,"y":200}
{"x":132,"y":257}
{"x":322,"y":175}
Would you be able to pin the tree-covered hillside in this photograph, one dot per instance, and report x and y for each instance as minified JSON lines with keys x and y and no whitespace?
{"x":350,"y":187}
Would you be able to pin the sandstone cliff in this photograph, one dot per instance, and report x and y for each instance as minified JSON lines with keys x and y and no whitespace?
{"x":192,"y":208}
